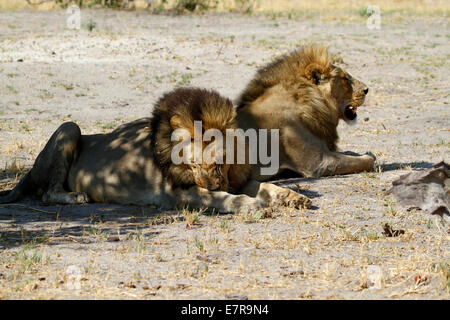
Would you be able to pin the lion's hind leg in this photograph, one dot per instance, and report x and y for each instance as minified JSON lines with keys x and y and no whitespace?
{"x":63,"y":197}
{"x":52,"y":165}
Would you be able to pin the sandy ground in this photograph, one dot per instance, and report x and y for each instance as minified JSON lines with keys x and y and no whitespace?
{"x":113,"y":74}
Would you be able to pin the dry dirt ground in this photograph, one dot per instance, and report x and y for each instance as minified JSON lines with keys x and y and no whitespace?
{"x":114,"y":73}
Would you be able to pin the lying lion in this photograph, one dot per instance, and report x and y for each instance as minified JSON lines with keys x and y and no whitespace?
{"x":133,"y":165}
{"x":304,"y":95}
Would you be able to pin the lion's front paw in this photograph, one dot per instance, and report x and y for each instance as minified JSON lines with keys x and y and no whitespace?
{"x":274,"y":195}
{"x":369,"y":161}
{"x":370,"y":154}
{"x":79,"y":197}
{"x":291,"y":198}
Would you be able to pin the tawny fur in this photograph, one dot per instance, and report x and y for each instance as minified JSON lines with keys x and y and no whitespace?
{"x":304,"y":95}
{"x":298,"y":73}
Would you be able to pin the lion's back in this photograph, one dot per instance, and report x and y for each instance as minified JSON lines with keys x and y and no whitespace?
{"x":117,"y":165}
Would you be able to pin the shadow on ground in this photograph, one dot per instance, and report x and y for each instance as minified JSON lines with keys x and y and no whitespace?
{"x":399,"y":166}
{"x":32,"y":222}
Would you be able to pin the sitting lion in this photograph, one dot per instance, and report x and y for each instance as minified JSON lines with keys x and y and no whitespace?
{"x":132,"y":164}
{"x":304,"y":95}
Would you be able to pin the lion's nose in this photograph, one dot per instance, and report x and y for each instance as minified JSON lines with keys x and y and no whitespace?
{"x":366,"y":90}
{"x":214,"y":186}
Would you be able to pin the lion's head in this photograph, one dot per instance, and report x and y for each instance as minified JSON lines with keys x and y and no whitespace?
{"x":305,"y":70}
{"x":173,"y":122}
{"x":348,"y":92}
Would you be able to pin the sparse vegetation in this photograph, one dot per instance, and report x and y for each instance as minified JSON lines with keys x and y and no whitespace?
{"x":444,"y":271}
{"x":148,"y":252}
{"x":108,"y":126}
{"x":67,"y":86}
{"x":11,"y":89}
{"x":45,"y":94}
{"x":363,"y":12}
{"x":91,"y":25}
{"x":199,"y":244}
{"x":327,"y":9}
{"x":185,"y":80}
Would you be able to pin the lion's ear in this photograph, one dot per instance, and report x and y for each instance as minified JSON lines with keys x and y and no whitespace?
{"x":314,"y":72}
{"x":176,"y":122}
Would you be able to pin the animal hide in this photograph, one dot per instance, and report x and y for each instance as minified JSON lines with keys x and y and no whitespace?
{"x":428,"y":189}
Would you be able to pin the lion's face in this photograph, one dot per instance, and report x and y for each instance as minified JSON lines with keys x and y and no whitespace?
{"x":348,"y":91}
{"x":204,"y":156}
{"x":189,"y":127}
{"x":211,"y":176}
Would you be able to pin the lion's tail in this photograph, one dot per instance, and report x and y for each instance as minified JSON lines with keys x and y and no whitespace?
{"x":17,"y":192}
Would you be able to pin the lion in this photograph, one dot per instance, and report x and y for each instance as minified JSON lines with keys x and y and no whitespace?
{"x":304,"y":95}
{"x":130,"y":165}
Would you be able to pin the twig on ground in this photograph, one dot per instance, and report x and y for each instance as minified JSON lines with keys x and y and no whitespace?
{"x":28,"y":208}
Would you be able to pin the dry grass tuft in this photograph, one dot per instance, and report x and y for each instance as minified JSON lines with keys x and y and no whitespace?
{"x":11,"y":174}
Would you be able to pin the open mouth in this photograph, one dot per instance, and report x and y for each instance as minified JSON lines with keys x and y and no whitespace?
{"x":350,"y":112}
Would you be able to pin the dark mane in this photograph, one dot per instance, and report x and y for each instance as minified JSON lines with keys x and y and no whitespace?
{"x":189,"y":104}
